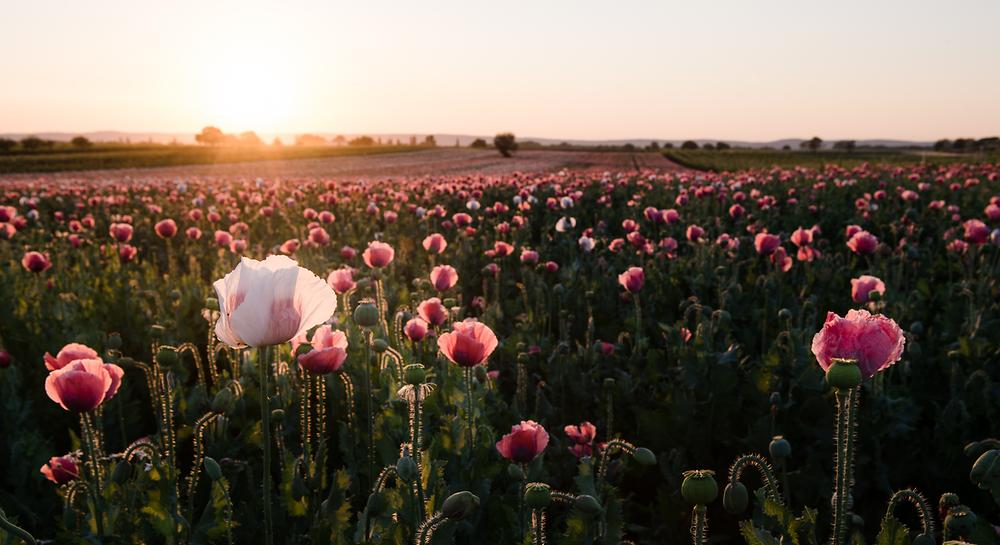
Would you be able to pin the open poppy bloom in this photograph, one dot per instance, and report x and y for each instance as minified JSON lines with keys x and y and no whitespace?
{"x":469,"y":343}
{"x":874,"y":341}
{"x":524,"y":442}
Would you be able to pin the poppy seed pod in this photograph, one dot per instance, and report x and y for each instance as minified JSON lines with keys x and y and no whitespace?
{"x":960,"y":522}
{"x":537,"y":495}
{"x":212,"y":468}
{"x":844,"y":374}
{"x":376,"y":504}
{"x":166,"y":357}
{"x":588,"y":505}
{"x":699,"y":487}
{"x":780,"y":448}
{"x":460,"y":505}
{"x":785,"y":314}
{"x":735,"y":498}
{"x":211,"y":303}
{"x":366,"y":314}
{"x":380,"y":345}
{"x":414,"y":374}
{"x":157,"y":331}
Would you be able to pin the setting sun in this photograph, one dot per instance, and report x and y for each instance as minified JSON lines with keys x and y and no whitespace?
{"x":249,"y":90}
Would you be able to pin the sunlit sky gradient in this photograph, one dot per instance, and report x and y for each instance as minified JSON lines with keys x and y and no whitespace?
{"x":739,"y":70}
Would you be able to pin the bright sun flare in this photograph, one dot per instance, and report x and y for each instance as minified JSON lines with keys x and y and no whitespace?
{"x":250,"y":92}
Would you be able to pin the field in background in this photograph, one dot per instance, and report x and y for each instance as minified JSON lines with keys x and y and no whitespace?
{"x":740,"y":159}
{"x":118,"y":156}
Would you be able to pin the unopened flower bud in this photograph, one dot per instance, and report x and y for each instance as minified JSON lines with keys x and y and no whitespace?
{"x":114,"y":341}
{"x":588,"y":505}
{"x":212,"y":468}
{"x":986,"y":470}
{"x":515,"y":472}
{"x":644,"y":456}
{"x":460,"y":505}
{"x":699,"y":487}
{"x":735,"y":498}
{"x":780,"y":448}
{"x":224,"y":401}
{"x":121,"y":472}
{"x":414,"y":374}
{"x":166,"y":357}
{"x":380,"y":345}
{"x":407,"y":469}
{"x":366,"y":314}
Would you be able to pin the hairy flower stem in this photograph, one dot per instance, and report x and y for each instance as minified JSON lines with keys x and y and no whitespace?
{"x":699,"y":525}
{"x":264,"y":364}
{"x":847,"y":407}
{"x":12,"y":528}
{"x":638,"y":321}
{"x":538,"y":527}
{"x":93,"y":464}
{"x":470,"y":436}
{"x":369,"y":415}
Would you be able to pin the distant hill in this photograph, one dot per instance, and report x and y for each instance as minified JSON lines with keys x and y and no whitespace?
{"x":447,"y":139}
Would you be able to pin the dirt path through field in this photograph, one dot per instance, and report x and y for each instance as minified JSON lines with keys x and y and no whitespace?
{"x":437,"y":162}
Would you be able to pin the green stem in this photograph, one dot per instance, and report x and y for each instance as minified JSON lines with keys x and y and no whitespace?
{"x":368,"y":406}
{"x":699,"y":525}
{"x":470,"y":437}
{"x":264,"y":363}
{"x":847,"y":403}
{"x":95,"y":472}
{"x":12,"y":528}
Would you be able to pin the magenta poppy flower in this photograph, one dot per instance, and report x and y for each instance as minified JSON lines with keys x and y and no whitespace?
{"x":529,"y":257}
{"x":83,"y":385}
{"x":121,"y":232}
{"x":290,"y":246}
{"x":766,"y":243}
{"x":319,"y":236}
{"x":863,"y":286}
{"x":328,"y":353}
{"x":976,"y":232}
{"x":433,"y":311}
{"x":468,"y":344}
{"x":127,"y":252}
{"x":68,"y":354}
{"x":802,"y":237}
{"x":873,"y":340}
{"x":583,"y":433}
{"x":378,"y":255}
{"x":193,"y":233}
{"x":61,"y":469}
{"x":36,"y":262}
{"x":694,"y":233}
{"x":444,"y":277}
{"x":223,"y":238}
{"x":524,"y":442}
{"x":633,"y":279}
{"x":166,"y":228}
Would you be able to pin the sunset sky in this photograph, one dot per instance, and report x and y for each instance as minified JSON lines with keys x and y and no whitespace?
{"x":738,"y":70}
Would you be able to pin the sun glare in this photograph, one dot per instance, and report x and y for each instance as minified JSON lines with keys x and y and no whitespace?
{"x":250,"y":92}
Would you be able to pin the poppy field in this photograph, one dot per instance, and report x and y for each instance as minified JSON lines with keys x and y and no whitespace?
{"x":793,"y":356}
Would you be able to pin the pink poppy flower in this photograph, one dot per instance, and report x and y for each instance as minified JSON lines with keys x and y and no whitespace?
{"x":378,"y":255}
{"x":341,"y":280}
{"x":633,"y":279}
{"x":766,"y":243}
{"x":862,"y":243}
{"x":976,"y":232}
{"x":524,"y":442}
{"x":802,"y":237}
{"x":328,"y":353}
{"x":694,"y":233}
{"x":416,"y":329}
{"x":121,"y":232}
{"x":68,"y":354}
{"x":166,"y":228}
{"x":83,"y":385}
{"x":61,"y":469}
{"x":468,"y":344}
{"x":435,"y":243}
{"x":444,"y":277}
{"x":432,"y":311}
{"x":529,"y":257}
{"x":193,"y":233}
{"x":36,"y":262}
{"x":863,"y":286}
{"x":874,"y":341}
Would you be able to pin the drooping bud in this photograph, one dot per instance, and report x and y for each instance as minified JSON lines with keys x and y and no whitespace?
{"x":735,"y":498}
{"x":166,"y":357}
{"x":212,"y":468}
{"x":224,"y":401}
{"x":114,"y":341}
{"x":460,"y":505}
{"x":588,"y":505}
{"x":644,"y":456}
{"x":121,"y":472}
{"x":380,"y":345}
{"x":407,"y":469}
{"x":986,"y":470}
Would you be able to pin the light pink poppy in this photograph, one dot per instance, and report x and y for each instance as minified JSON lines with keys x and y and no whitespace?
{"x":83,"y":385}
{"x":329,"y":350}
{"x":976,"y":232}
{"x":166,"y":228}
{"x":416,"y":329}
{"x":121,"y":232}
{"x":444,"y":277}
{"x":341,"y":280}
{"x":435,"y":243}
{"x":433,"y":311}
{"x":766,"y":243}
{"x":36,"y":262}
{"x":863,"y":243}
{"x":68,"y":354}
{"x":633,"y":279}
{"x":378,"y":255}
{"x":863,"y":286}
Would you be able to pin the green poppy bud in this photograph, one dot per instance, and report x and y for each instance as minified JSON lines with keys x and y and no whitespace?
{"x":407,"y":469}
{"x":986,"y":470}
{"x":917,"y":328}
{"x":460,"y":505}
{"x":166,"y":357}
{"x":588,"y":505}
{"x":699,"y":487}
{"x":212,"y":468}
{"x":380,"y":345}
{"x":784,"y":314}
{"x":537,"y":495}
{"x":515,"y":472}
{"x":224,"y":401}
{"x":735,"y":498}
{"x":644,"y":456}
{"x":960,"y":521}
{"x":122,"y":471}
{"x":376,"y":504}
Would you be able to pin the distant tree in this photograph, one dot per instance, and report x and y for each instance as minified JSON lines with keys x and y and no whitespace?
{"x":33,"y":143}
{"x":722,"y":146}
{"x":505,"y":143}
{"x":210,"y":136}
{"x":653,"y":146}
{"x":814,"y":143}
{"x":845,"y":145}
{"x":413,"y":140}
{"x":628,"y":146}
{"x":479,"y":143}
{"x":277,"y":143}
{"x":786,"y":147}
{"x":250,"y":138}
{"x":456,"y":143}
{"x":668,"y":145}
{"x":80,"y":142}
{"x":708,"y":146}
{"x":361,"y":141}
{"x":430,"y":141}
{"x":6,"y":144}
{"x":689,"y":144}
{"x":339,"y":140}
{"x":990,"y":143}
{"x":942,"y":145}
{"x":960,"y":144}
{"x":309,"y":140}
